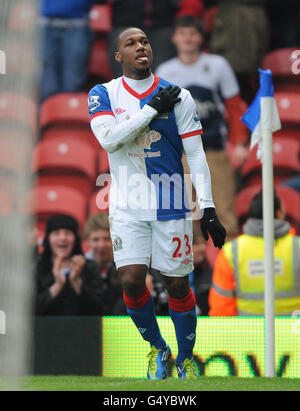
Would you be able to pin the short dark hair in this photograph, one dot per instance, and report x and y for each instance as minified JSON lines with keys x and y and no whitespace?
{"x":117,"y":38}
{"x":256,"y":206}
{"x":189,"y":21}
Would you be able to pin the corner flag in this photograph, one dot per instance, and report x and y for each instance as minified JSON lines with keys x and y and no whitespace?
{"x":262,"y":115}
{"x":262,"y":118}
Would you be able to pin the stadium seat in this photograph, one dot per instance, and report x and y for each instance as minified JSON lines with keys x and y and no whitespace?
{"x":289,"y":197}
{"x":76,"y":181}
{"x":46,"y":201}
{"x":68,"y":109}
{"x":286,"y":161}
{"x":82,"y":134}
{"x":99,"y":201}
{"x":99,"y":63}
{"x":65,"y":155}
{"x":100,"y":18}
{"x":280,"y":62}
{"x":288,"y":108}
{"x":17,"y":110}
{"x":103,"y":164}
{"x":66,"y":162}
{"x":209,"y":17}
{"x":22,"y":16}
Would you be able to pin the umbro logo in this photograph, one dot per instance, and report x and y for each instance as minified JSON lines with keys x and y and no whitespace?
{"x":142,"y":330}
{"x":119,"y":110}
{"x":191,"y":336}
{"x":186,"y":261}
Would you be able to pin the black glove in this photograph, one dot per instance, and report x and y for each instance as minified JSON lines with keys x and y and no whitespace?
{"x":165,"y":100}
{"x":211,"y":224}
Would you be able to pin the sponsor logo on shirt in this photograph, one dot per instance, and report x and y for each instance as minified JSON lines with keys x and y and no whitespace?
{"x":145,"y":139}
{"x":93,"y":102}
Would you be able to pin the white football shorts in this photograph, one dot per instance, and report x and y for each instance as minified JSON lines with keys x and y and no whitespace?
{"x":166,"y":245}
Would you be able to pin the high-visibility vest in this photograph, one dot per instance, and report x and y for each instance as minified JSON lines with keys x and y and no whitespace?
{"x":246,"y":256}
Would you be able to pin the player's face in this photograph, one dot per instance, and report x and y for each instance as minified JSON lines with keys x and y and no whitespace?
{"x":134,"y":53}
{"x":100,"y":243}
{"x":187,"y":39}
{"x":62,"y":242}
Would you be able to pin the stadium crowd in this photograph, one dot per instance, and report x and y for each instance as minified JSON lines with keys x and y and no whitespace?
{"x":225,"y":41}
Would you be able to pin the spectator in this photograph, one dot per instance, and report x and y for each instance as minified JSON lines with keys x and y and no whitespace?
{"x":67,"y":283}
{"x":155,"y":17}
{"x":202,"y":275}
{"x":205,"y":75}
{"x":97,"y":236}
{"x":241,"y":34}
{"x":238,"y":278}
{"x":66,"y":45}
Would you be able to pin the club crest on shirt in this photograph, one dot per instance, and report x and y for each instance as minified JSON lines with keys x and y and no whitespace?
{"x":93,"y":102}
{"x":145,"y":139}
{"x":117,"y":243}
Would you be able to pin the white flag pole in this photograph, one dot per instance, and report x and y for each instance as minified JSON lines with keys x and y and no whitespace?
{"x":268,"y":225}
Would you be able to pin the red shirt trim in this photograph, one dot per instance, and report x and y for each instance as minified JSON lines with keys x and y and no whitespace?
{"x":146,"y":93}
{"x":192,"y":133}
{"x":102,"y":113}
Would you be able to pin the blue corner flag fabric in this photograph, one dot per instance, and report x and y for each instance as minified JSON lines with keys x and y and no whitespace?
{"x":262,"y":114}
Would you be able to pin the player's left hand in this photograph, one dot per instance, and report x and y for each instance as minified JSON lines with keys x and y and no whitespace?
{"x":211,"y":224}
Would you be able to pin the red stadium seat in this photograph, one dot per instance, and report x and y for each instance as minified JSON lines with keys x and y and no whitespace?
{"x":22,"y":16}
{"x":286,"y":161}
{"x":289,"y":197}
{"x":84,"y":134}
{"x":100,"y":18}
{"x":99,"y":201}
{"x":209,"y":17}
{"x":288,"y":108}
{"x":99,"y":62}
{"x":66,"y":162}
{"x":281,"y":62}
{"x":76,"y":181}
{"x":46,"y":201}
{"x":18,"y":110}
{"x":63,"y":154}
{"x":103,"y":164}
{"x":68,"y":109}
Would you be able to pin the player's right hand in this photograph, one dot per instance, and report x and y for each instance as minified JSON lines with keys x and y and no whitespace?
{"x":165,"y":100}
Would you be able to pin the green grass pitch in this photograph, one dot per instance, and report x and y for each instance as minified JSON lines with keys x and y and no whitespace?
{"x":81,"y":383}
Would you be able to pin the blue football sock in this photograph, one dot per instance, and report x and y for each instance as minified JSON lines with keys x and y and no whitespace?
{"x":185,"y":328}
{"x":145,"y":320}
